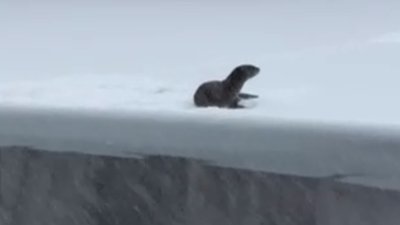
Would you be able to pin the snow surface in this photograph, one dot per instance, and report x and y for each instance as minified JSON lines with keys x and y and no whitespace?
{"x":334,"y":63}
{"x":325,"y":61}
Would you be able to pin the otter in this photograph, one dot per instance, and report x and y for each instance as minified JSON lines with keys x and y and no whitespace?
{"x":226,"y":93}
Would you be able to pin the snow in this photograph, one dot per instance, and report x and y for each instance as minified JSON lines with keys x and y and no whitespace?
{"x":330,"y":62}
{"x":328,"y":85}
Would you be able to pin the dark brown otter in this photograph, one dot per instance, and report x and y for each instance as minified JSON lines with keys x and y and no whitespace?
{"x":226,"y":93}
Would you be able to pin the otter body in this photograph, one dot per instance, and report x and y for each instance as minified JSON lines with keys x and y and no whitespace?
{"x":226,"y":93}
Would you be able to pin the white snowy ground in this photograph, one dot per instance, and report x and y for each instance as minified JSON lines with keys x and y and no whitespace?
{"x":334,"y":62}
{"x":320,"y":60}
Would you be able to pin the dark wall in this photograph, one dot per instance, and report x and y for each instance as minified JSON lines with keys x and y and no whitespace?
{"x":47,"y":188}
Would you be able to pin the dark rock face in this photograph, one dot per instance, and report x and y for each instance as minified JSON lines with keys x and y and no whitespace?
{"x":48,"y":188}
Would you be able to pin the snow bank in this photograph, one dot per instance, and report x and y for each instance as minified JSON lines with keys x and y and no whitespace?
{"x":315,"y":150}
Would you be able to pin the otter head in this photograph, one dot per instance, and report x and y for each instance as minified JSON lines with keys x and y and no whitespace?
{"x":243,"y":72}
{"x":239,"y":76}
{"x":248,"y":71}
